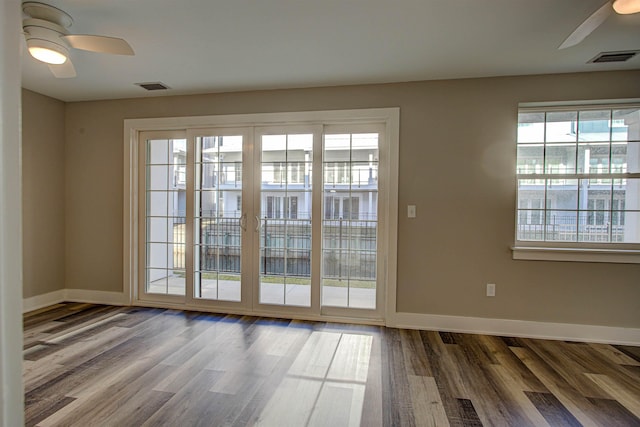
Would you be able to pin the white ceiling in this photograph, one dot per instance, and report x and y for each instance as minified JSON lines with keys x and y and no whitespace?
{"x":202,"y":46}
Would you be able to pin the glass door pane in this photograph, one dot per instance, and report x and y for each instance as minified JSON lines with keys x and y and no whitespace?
{"x":165,"y":213}
{"x":350,"y":220}
{"x":218,"y":217}
{"x":285,"y":227}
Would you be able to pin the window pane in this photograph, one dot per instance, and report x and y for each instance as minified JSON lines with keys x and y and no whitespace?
{"x":594,"y":226}
{"x":633,"y":157}
{"x":530,"y":127}
{"x":593,"y":158}
{"x":364,"y":147}
{"x":630,"y":232}
{"x":626,"y":199}
{"x":337,"y":148}
{"x":157,"y":255}
{"x":157,"y":280}
{"x":530,"y":158}
{"x":619,"y":157}
{"x":620,"y":130}
{"x":337,"y":174}
{"x":176,"y":255}
{"x":297,"y":291}
{"x":594,"y":218}
{"x":179,"y":151}
{"x":158,"y":152}
{"x":561,"y":226}
{"x":207,"y":202}
{"x":562,"y":194}
{"x":594,"y":125}
{"x":561,"y":126}
{"x":530,"y":224}
{"x":157,"y":203}
{"x":363,"y":174}
{"x":208,"y":148}
{"x":157,"y":230}
{"x":595,"y":194}
{"x":300,"y":147}
{"x":230,"y":175}
{"x":209,"y":175}
{"x":176,"y":282}
{"x":530,"y":196}
{"x":274,"y":148}
{"x":158,"y":177}
{"x":560,"y":158}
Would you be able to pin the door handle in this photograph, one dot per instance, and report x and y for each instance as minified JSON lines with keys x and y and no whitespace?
{"x":243,"y":222}
{"x":258,"y":223}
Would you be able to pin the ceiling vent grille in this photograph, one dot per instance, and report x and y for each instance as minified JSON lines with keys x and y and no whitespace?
{"x":614,"y":56}
{"x":153,"y":86}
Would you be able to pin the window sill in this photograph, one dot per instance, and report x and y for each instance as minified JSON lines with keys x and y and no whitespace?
{"x":534,"y":253}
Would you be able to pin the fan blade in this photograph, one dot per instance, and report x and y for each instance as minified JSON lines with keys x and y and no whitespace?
{"x":63,"y":71}
{"x":101,"y":44}
{"x":587,"y":27}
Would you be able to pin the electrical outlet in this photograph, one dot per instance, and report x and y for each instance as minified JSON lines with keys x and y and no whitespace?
{"x":411,"y":211}
{"x":491,"y":289}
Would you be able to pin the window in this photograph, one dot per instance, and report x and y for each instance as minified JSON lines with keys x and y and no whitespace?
{"x":578,"y":173}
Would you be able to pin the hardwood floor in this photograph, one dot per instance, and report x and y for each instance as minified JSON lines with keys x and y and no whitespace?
{"x":127,"y":366}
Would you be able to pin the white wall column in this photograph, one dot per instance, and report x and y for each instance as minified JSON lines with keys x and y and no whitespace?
{"x":11,"y":388}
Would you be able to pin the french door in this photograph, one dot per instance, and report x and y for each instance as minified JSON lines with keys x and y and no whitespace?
{"x":262,"y":219}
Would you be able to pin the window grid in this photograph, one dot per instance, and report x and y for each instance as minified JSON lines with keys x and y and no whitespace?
{"x":349,"y":229}
{"x":285,"y":231}
{"x":591,"y":212}
{"x":165,"y":233}
{"x":218,"y":203}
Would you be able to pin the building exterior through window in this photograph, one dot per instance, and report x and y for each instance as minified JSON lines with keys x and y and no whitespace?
{"x":579,"y":175}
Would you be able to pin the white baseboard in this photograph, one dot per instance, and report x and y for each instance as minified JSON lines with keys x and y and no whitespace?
{"x":41,"y":301}
{"x":74,"y":295}
{"x":517,"y":328}
{"x":96,"y":297}
{"x":472,"y":325}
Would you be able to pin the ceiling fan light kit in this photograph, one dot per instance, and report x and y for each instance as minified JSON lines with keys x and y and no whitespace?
{"x":626,"y":7}
{"x":47,"y":52}
{"x":49,"y":41}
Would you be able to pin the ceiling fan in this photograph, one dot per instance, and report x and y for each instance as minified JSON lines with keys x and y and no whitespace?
{"x":49,"y":41}
{"x":622,"y":7}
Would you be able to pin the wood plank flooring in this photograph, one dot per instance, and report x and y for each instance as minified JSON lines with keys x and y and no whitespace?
{"x":95,"y":365}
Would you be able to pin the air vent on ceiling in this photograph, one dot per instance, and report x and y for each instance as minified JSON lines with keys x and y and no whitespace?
{"x":153,"y":86}
{"x":615,"y":56}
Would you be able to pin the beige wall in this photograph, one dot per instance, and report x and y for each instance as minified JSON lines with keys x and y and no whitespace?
{"x":42,"y":193}
{"x":457,"y":164}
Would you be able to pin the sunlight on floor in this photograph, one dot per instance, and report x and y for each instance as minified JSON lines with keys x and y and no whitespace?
{"x":325,"y":385}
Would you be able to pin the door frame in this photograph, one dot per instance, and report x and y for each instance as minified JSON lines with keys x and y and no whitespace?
{"x":388,"y":176}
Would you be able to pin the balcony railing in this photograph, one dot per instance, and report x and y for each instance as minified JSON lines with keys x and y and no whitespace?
{"x":349,"y":247}
{"x":570,"y":231}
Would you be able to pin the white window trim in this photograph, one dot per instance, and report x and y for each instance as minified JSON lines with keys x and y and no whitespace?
{"x":390,"y":117}
{"x":575,"y":251}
